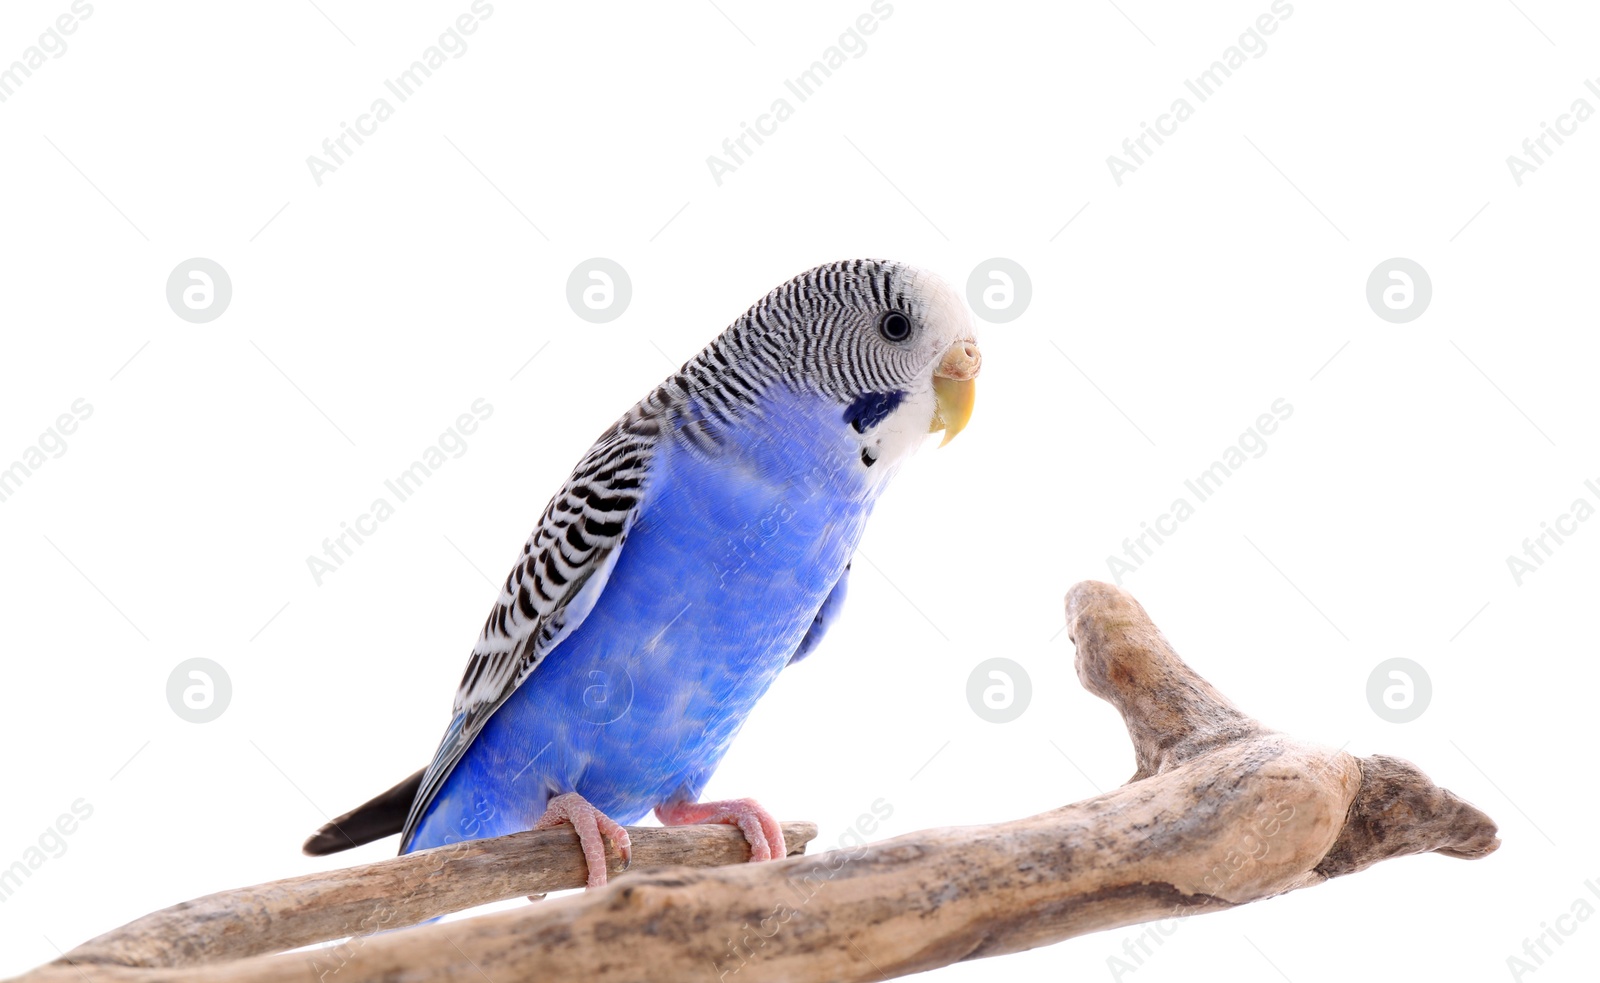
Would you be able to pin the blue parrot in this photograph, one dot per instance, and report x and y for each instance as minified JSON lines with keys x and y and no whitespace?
{"x":700,"y":546}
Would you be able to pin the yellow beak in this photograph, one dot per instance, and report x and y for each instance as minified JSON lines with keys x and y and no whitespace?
{"x":954,"y":392}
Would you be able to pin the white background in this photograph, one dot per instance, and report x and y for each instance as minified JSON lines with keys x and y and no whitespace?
{"x":1223,"y":274}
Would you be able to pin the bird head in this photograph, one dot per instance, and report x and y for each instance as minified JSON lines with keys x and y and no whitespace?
{"x":892,"y":346}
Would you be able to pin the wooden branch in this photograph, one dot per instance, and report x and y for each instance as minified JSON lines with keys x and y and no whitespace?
{"x":401,"y":891}
{"x":1221,"y":812}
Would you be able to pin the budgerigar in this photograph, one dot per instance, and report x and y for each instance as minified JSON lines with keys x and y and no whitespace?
{"x":701,"y":545}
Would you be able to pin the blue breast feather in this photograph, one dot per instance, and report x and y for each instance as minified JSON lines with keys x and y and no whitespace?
{"x":722,"y":575}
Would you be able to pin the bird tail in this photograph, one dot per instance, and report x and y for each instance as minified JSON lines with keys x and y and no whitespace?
{"x":381,"y":816}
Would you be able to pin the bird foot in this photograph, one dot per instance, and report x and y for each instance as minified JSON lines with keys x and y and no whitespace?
{"x":594,"y":828}
{"x":759,"y":826}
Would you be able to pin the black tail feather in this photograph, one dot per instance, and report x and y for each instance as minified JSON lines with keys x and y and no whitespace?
{"x":382,"y":816}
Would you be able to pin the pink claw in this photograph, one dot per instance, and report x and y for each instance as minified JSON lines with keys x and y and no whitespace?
{"x":759,"y":826}
{"x":594,"y":829}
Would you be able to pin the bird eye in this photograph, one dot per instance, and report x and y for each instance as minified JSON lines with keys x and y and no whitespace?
{"x":894,"y":326}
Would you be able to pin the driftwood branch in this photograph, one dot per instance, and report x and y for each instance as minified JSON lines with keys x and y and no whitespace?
{"x":398,"y":892}
{"x":1221,"y":812}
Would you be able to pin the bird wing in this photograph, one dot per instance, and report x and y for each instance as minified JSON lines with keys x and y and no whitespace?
{"x":826,"y":615}
{"x":561,"y":574}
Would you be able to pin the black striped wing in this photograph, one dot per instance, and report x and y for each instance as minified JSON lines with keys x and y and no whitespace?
{"x":556,"y":582}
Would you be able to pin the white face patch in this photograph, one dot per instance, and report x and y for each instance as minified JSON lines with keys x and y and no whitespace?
{"x":901,"y":432}
{"x":945,"y":322}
